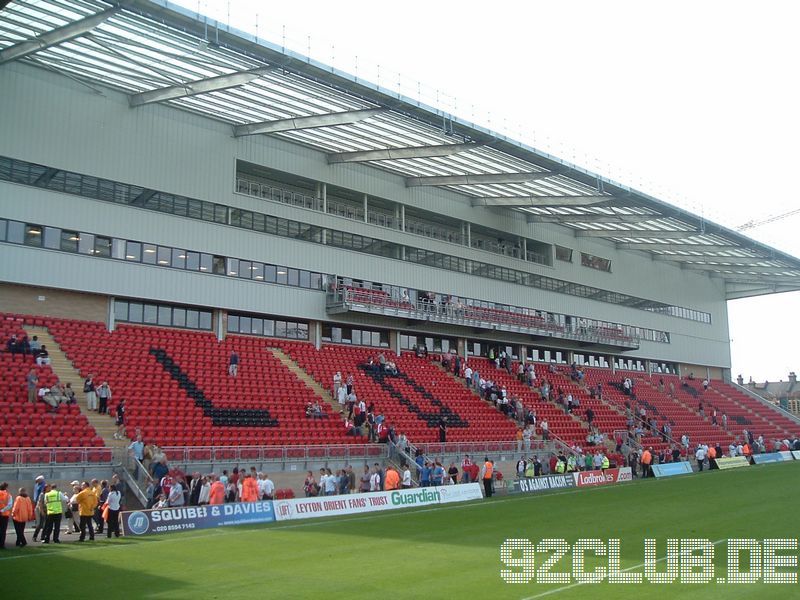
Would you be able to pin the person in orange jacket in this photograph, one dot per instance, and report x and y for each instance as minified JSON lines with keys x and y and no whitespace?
{"x":21,"y":513}
{"x":249,"y":489}
{"x":5,"y":512}
{"x":217,"y":493}
{"x":391,"y":480}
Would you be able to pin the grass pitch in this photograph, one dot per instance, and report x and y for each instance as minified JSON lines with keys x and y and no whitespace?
{"x":446,"y":552}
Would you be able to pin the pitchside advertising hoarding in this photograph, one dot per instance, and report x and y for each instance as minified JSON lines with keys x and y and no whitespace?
{"x":183,"y":518}
{"x":682,"y":467}
{"x":772,"y":457}
{"x":609,"y":476}
{"x":735,"y":462}
{"x":543,"y":484}
{"x":308,"y":508}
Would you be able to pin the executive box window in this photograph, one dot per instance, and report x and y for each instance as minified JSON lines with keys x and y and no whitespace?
{"x":167,"y":315}
{"x":354,"y":336}
{"x":563,"y":253}
{"x":595,"y":262}
{"x":268,"y":327}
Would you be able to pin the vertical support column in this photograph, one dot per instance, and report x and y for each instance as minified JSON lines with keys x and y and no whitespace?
{"x":111,"y":324}
{"x":315,"y":333}
{"x":613,"y":363}
{"x":366,"y":209}
{"x":324,"y":193}
{"x":394,"y":341}
{"x":522,"y":352}
{"x":318,"y":195}
{"x":570,"y":357}
{"x":219,"y":325}
{"x":402,"y":217}
{"x":524,"y":248}
{"x":462,"y":348}
{"x":469,"y":234}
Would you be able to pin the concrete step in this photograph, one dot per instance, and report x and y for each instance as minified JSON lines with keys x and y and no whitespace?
{"x":104,"y":425}
{"x":320,"y":391}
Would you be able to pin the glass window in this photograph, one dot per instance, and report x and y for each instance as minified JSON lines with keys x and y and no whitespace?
{"x":270,"y":273}
{"x":205,"y":320}
{"x":150,"y":314}
{"x":316,"y":281}
{"x":269,"y":327}
{"x":218,"y":263}
{"x":179,"y":317}
{"x":192,"y":318}
{"x":164,"y":255}
{"x":69,"y":240}
{"x":178,"y":258}
{"x":244,"y":324}
{"x":135,"y":314}
{"x":302,"y":331}
{"x":52,"y":238}
{"x":195,"y":209}
{"x":33,"y":235}
{"x":258,"y":271}
{"x":164,"y":315}
{"x":206,"y":263}
{"x":102,"y":246}
{"x":282,"y":275}
{"x":257,"y":326}
{"x":280,"y":328}
{"x":86,"y":243}
{"x":294,"y":277}
{"x":3,"y":229}
{"x":149,"y":254}
{"x":133,"y":251}
{"x":233,"y":323}
{"x":120,"y":310}
{"x":192,"y":261}
{"x":233,"y":267}
{"x":245,"y":269}
{"x":305,"y":279}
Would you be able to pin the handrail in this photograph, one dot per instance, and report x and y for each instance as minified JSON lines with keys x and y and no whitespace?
{"x":782,"y":411}
{"x":96,"y":455}
{"x":299,"y":453}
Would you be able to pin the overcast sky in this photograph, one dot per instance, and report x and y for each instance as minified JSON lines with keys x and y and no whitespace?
{"x":694,"y":102}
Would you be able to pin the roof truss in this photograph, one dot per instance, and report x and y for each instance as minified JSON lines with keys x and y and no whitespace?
{"x":198,"y":86}
{"x":308,"y":122}
{"x":398,"y":153}
{"x":478,"y":179}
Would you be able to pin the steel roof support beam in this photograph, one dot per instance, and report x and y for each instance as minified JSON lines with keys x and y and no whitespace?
{"x":637,"y":233}
{"x":192,"y":88}
{"x":593,"y":218}
{"x":677,"y":247}
{"x":310,"y":122}
{"x":724,"y":270}
{"x":56,"y":36}
{"x":399,"y":153}
{"x":477,"y":179}
{"x":541,"y":201}
{"x":728,"y":261}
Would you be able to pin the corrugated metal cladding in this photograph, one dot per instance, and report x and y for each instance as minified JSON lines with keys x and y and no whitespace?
{"x":51,"y":120}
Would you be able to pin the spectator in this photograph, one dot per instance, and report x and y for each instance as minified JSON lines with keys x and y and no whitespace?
{"x":39,"y":488}
{"x":176,"y":493}
{"x":406,"y":484}
{"x":392,"y":479}
{"x":35,"y":346}
{"x":216,"y":491}
{"x":310,"y":486}
{"x":87,"y":503}
{"x":233,"y":364}
{"x":375,"y":480}
{"x":21,"y":513}
{"x":114,"y":507}
{"x":119,"y":434}
{"x":91,"y":394}
{"x":103,"y":396}
{"x":54,"y":503}
{"x":12,"y":345}
{"x":43,"y":358}
{"x":364,"y":481}
{"x":250,"y":492}
{"x":6,"y":504}
{"x":32,"y":380}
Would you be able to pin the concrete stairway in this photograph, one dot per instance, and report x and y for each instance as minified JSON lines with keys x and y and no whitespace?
{"x":67,"y":373}
{"x":324,"y":394}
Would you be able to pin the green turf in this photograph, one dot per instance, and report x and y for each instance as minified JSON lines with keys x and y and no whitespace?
{"x":426,"y":553}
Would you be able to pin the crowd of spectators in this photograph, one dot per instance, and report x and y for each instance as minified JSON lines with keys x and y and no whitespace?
{"x":86,"y":508}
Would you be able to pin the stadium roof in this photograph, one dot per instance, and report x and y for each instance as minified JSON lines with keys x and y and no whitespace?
{"x":157,"y":52}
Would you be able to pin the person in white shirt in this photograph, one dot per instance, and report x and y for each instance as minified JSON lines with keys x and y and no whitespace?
{"x":406,"y":483}
{"x":176,"y":494}
{"x":341,"y":395}
{"x":375,"y":481}
{"x":266,"y":489}
{"x":545,"y":430}
{"x":337,"y":383}
{"x":323,"y":482}
{"x":700,"y":456}
{"x":205,"y":492}
{"x":114,"y":500}
{"x":331,"y":484}
{"x":468,"y":376}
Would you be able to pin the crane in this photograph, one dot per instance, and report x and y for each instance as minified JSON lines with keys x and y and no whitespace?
{"x":753,"y":224}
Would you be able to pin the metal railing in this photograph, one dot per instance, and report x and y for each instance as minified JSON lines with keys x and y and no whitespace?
{"x":777,"y":408}
{"x":22,"y":457}
{"x":475,"y":316}
{"x":274,"y":454}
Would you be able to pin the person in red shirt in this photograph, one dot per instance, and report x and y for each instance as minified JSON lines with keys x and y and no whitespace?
{"x":217,"y":493}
